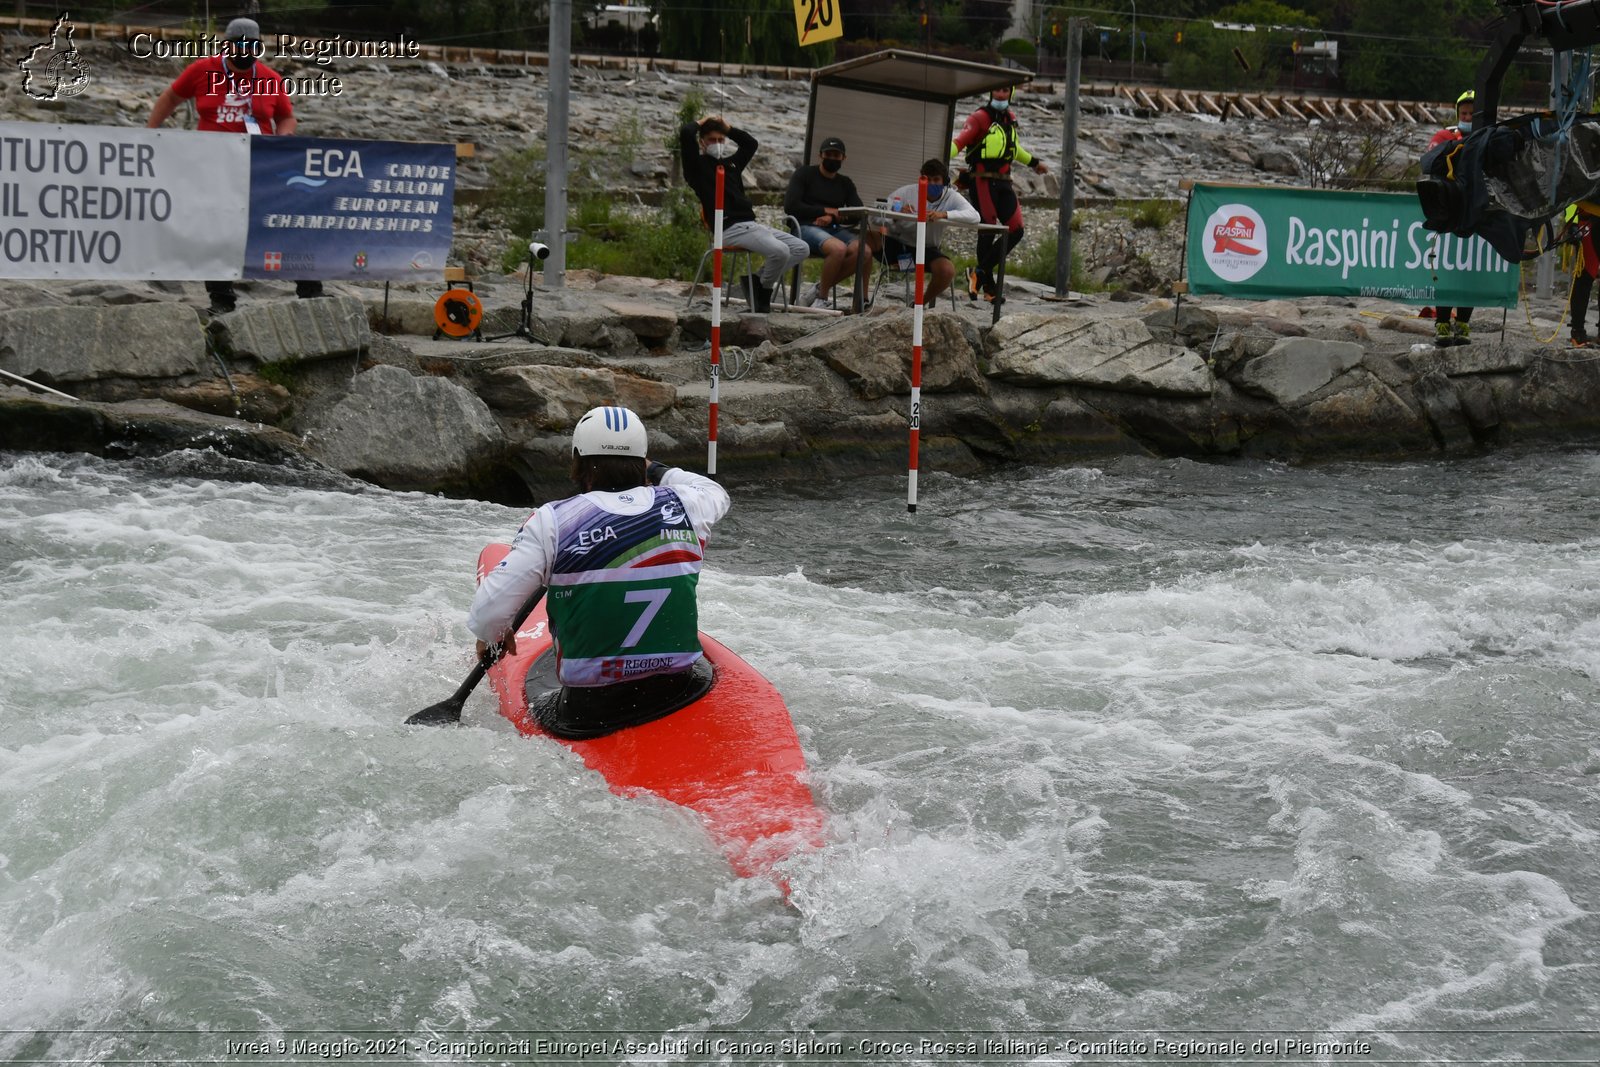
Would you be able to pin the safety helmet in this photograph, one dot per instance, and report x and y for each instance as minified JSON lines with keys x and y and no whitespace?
{"x":1466,"y":98}
{"x":610,"y":431}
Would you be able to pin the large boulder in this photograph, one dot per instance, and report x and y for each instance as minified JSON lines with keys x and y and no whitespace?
{"x":134,"y":428}
{"x":1186,"y":324}
{"x":64,"y":345}
{"x":555,"y":397}
{"x":1364,"y":417}
{"x":1115,"y":354}
{"x":1441,"y":403}
{"x":873,"y":353}
{"x":408,"y":432}
{"x":1295,"y":367}
{"x":652,"y":324}
{"x":294,"y":331}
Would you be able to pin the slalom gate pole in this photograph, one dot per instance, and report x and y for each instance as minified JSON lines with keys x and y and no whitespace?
{"x":716,"y":323}
{"x":916,"y":343}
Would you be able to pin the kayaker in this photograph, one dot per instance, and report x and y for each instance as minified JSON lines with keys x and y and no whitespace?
{"x":621,"y":560}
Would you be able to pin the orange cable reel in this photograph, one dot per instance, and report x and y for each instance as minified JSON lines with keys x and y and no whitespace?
{"x":458,"y":313}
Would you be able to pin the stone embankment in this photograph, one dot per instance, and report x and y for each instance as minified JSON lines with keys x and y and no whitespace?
{"x":312,"y":382}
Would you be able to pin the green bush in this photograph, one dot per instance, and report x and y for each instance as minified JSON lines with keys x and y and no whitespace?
{"x":1150,"y":214}
{"x":666,"y":242}
{"x":1018,"y":48}
{"x":516,"y":190}
{"x":1035,"y":260}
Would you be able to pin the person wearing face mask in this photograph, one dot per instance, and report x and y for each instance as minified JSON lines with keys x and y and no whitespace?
{"x":989,"y":139}
{"x":814,"y":197}
{"x":233,"y":93}
{"x":944,"y":205}
{"x":704,"y":145}
{"x":1450,"y":331}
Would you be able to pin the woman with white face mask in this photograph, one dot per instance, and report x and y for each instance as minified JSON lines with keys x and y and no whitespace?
{"x":704,"y":146}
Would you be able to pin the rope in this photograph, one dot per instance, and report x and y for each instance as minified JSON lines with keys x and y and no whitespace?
{"x":238,"y":405}
{"x":1567,"y":105}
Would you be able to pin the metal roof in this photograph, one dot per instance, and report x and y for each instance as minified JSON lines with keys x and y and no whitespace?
{"x":920,"y":76}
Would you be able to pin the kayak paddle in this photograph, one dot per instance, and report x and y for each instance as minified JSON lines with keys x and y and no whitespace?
{"x":448,"y":711}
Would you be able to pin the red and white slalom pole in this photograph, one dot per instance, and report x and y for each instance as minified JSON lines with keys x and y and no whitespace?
{"x":716,"y":324}
{"x":916,"y":343}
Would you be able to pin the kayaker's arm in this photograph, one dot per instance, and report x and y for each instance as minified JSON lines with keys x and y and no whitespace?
{"x":525,"y":569}
{"x":703,"y":499}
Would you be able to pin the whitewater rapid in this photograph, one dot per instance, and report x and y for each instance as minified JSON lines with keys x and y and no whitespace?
{"x":1155,"y":752}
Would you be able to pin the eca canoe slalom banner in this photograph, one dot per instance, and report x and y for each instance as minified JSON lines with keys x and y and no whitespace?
{"x":104,"y":202}
{"x":1267,"y":243}
{"x":323,"y":208}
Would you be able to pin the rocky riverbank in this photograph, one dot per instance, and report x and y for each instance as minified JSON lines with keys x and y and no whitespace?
{"x":314,"y":383}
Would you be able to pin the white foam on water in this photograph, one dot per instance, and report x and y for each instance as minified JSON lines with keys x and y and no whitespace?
{"x":1150,"y":782}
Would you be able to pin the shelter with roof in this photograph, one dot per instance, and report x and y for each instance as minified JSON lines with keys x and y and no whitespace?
{"x":894,"y":109}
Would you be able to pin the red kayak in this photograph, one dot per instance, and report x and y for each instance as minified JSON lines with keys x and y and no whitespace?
{"x":732,"y":756}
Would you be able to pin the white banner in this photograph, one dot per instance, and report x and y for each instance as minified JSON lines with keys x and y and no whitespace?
{"x":103,"y":202}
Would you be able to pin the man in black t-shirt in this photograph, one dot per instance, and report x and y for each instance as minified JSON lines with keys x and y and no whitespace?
{"x":816,"y":193}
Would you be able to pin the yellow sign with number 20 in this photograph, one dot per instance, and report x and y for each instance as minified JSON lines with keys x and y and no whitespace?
{"x":817,"y":21}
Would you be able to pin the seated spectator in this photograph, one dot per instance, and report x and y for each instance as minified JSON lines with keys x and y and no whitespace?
{"x":816,"y":193}
{"x":944,"y":203}
{"x":707,"y":143}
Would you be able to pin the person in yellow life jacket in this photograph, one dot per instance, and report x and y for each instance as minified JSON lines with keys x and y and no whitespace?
{"x":621,"y":561}
{"x":989,"y":140}
{"x":1450,"y":331}
{"x":1581,"y":220}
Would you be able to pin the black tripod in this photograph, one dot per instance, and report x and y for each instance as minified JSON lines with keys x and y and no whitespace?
{"x":536,"y":251}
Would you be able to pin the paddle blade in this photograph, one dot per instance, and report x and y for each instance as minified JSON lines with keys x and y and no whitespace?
{"x":444,"y":713}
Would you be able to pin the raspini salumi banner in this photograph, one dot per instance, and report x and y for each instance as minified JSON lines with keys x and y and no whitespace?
{"x":1268,"y":243}
{"x":106,"y":202}
{"x":322,"y":208}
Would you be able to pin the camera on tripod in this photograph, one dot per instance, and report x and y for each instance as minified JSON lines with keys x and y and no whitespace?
{"x":538,"y":250}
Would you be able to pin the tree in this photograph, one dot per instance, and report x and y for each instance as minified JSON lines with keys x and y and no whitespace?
{"x":1415,"y":50}
{"x":738,"y":31}
{"x":1252,"y":56}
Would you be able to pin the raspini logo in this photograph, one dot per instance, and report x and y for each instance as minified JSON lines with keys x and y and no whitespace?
{"x":1235,"y":242}
{"x":55,"y":69}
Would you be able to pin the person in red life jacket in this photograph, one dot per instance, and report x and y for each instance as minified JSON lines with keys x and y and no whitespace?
{"x":702,"y":146}
{"x":621,"y":561}
{"x":1450,"y":331}
{"x":233,"y":93}
{"x":1582,"y":219}
{"x":989,"y":139}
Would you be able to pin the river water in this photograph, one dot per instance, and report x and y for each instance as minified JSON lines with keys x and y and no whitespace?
{"x":1115,"y":759}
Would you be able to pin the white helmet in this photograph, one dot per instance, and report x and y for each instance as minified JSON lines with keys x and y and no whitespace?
{"x":610,"y":431}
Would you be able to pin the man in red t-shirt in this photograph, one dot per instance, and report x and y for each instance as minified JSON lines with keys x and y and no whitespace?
{"x":234,"y":93}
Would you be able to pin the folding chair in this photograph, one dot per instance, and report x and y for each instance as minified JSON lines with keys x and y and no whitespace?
{"x":731,"y":254}
{"x":886,"y":268}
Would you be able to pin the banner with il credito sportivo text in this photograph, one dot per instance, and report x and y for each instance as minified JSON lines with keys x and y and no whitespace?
{"x":101,"y":202}
{"x":1270,"y":243}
